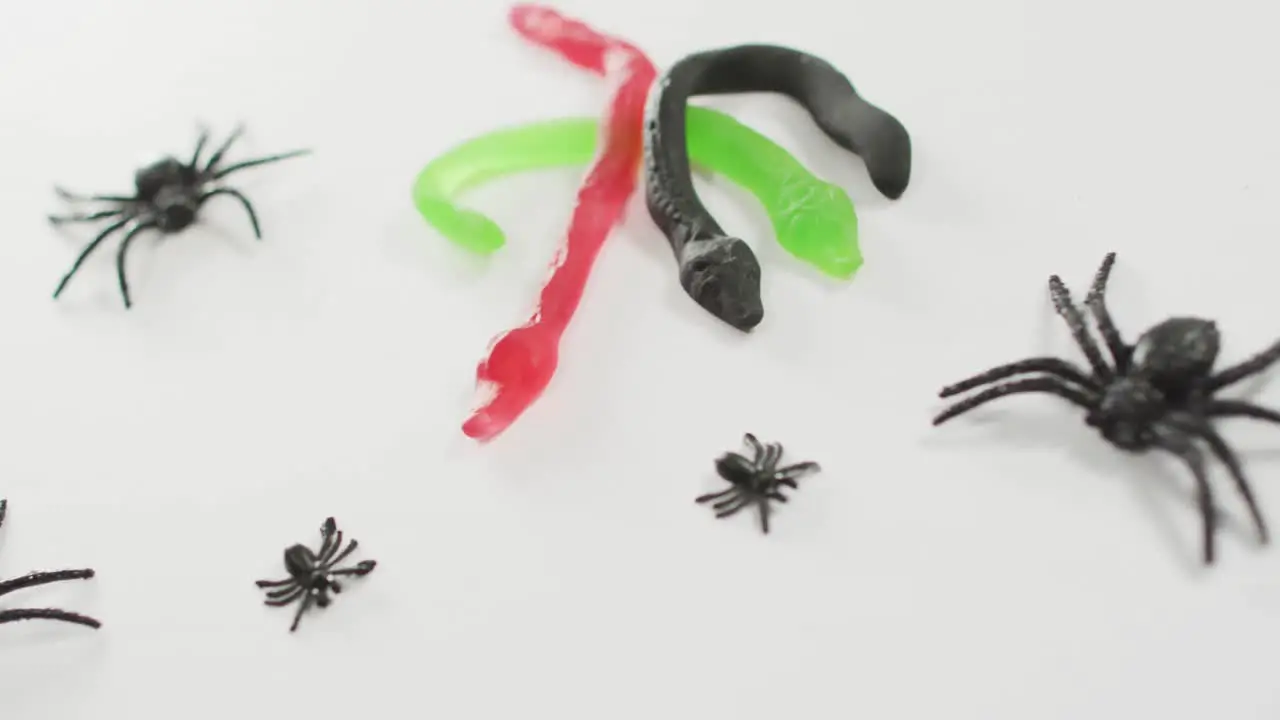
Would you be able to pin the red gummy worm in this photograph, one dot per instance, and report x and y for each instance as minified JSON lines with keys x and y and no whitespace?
{"x":521,"y":361}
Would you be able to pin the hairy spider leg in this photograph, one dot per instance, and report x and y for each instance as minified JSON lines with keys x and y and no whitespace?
{"x":1064,"y":306}
{"x":42,"y":578}
{"x":1239,"y":408}
{"x":1245,"y":369}
{"x":737,"y":498}
{"x":1181,"y":446}
{"x":8,"y":616}
{"x":732,"y":509}
{"x":244,"y":202}
{"x":763,"y":505}
{"x":84,"y":254}
{"x":1096,"y":301}
{"x":772,"y":453}
{"x":223,"y":172}
{"x":4,"y":508}
{"x":123,"y":252}
{"x":82,"y":217}
{"x":1052,"y":386}
{"x":1227,"y":457}
{"x":1055,"y":367}
{"x":757,"y":451}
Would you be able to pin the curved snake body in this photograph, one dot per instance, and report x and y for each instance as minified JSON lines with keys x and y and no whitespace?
{"x":718,"y":271}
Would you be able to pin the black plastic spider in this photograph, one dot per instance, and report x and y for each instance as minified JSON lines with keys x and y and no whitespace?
{"x":311,"y":575}
{"x":168,"y":195}
{"x":754,"y":481}
{"x":1157,"y":394}
{"x":42,"y":578}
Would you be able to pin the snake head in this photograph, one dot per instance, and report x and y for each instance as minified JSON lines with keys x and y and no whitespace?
{"x":815,"y":221}
{"x":723,"y":276}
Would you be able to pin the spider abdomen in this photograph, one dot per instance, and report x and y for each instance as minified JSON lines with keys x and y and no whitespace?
{"x":1177,"y":352}
{"x":299,"y":561}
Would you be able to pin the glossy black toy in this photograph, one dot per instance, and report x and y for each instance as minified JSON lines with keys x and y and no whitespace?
{"x":311,"y":575}
{"x":168,"y":196}
{"x":1157,"y":394}
{"x":719,"y":271}
{"x":42,"y":578}
{"x":755,"y":481}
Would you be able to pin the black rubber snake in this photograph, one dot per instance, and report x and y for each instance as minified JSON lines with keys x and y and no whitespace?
{"x":718,"y":271}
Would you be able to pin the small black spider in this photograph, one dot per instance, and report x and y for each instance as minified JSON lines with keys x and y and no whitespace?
{"x":42,"y":578}
{"x":1157,"y":393}
{"x":311,"y":575}
{"x":168,"y":195}
{"x":754,"y":481}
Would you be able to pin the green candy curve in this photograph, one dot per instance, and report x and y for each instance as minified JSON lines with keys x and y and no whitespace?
{"x":813,"y":220}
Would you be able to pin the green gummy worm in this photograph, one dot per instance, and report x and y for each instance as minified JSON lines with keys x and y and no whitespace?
{"x":813,"y":219}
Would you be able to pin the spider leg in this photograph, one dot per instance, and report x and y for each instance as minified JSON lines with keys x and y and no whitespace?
{"x":285,"y":599}
{"x":122,"y":253}
{"x":1180,"y":446}
{"x":274,"y":583}
{"x":360,"y":569}
{"x":772,"y":454}
{"x":304,"y":606}
{"x":244,"y":201}
{"x":1240,"y":408}
{"x":757,"y":451}
{"x":792,"y":472}
{"x":1096,"y":301}
{"x":1228,"y":457}
{"x":1049,"y":365}
{"x":200,"y":143}
{"x":84,"y":218}
{"x":4,"y":506}
{"x":786,"y":482}
{"x":84,"y":254}
{"x":223,"y":172}
{"x":763,"y":506}
{"x":351,"y":546}
{"x":1049,"y":385}
{"x":775,"y":495}
{"x":8,"y":616}
{"x":330,"y":546}
{"x":715,"y":496}
{"x":42,"y":578}
{"x":1240,"y":371}
{"x":733,"y":509}
{"x":1075,"y":323}
{"x":77,"y":197}
{"x":226,"y":145}
{"x":282,"y":592}
{"x":726,"y":503}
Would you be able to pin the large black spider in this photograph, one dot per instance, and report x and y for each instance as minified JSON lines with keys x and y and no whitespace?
{"x":42,"y":578}
{"x":1157,"y":393}
{"x":755,"y":481}
{"x":168,"y":195}
{"x":311,"y":575}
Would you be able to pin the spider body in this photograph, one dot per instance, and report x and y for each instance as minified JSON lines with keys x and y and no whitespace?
{"x":168,"y":196}
{"x":1155,"y":394}
{"x":754,"y":481}
{"x":312,"y":574}
{"x":42,"y":578}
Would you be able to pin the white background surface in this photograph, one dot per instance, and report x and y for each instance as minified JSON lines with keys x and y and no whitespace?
{"x":1006,"y":566}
